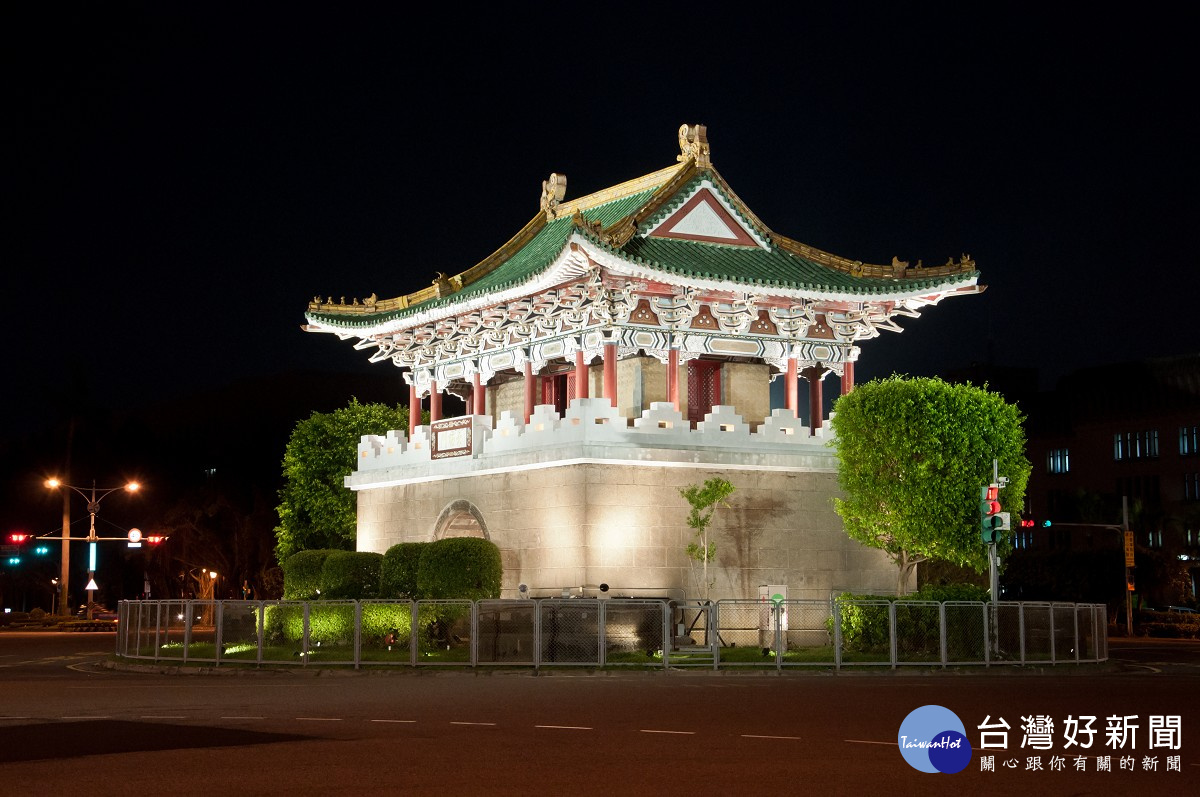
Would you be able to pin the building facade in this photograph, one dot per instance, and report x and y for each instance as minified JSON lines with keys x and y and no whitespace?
{"x":619,"y":347}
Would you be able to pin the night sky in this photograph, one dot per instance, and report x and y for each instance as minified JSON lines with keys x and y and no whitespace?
{"x":182,"y":181}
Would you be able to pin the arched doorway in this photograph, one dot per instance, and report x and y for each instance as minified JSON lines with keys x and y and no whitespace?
{"x":460,"y":519}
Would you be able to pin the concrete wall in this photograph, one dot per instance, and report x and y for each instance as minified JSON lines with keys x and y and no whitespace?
{"x":579,"y":525}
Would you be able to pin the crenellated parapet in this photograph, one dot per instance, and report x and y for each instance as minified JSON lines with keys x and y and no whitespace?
{"x":591,"y":429}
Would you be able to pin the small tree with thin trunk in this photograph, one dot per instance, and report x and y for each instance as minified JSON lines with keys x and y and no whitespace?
{"x":704,"y":499}
{"x":913,"y":454}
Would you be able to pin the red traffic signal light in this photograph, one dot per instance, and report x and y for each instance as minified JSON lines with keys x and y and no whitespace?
{"x":17,"y":539}
{"x":155,"y":539}
{"x":1026,"y":523}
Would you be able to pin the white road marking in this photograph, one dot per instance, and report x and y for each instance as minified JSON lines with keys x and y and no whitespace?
{"x":565,"y":727}
{"x":242,"y":718}
{"x":96,"y":717}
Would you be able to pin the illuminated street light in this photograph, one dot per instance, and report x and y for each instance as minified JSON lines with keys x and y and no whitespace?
{"x":93,"y":497}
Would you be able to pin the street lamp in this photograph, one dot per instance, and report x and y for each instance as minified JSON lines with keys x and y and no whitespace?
{"x":93,"y":497}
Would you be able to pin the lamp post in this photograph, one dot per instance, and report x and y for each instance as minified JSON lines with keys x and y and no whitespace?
{"x":93,"y":497}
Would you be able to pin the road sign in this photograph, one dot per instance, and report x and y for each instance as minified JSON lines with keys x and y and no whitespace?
{"x":1129,"y":549}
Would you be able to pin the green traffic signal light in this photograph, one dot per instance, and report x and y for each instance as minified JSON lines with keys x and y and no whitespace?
{"x":41,"y":550}
{"x":1045,"y":524}
{"x":14,"y":560}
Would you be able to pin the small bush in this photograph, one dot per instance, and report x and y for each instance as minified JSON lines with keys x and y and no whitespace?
{"x":398,"y":577}
{"x":350,"y":575}
{"x":302,"y":574}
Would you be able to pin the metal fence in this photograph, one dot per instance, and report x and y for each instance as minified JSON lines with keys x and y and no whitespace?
{"x":612,"y":632}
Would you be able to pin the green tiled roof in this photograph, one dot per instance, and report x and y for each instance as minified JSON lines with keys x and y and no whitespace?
{"x":752,"y":266}
{"x":756,"y":266}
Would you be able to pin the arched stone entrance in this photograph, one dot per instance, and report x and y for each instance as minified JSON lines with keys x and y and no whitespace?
{"x":460,"y":519}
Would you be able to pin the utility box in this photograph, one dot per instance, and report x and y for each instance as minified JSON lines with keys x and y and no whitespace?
{"x":772,"y":616}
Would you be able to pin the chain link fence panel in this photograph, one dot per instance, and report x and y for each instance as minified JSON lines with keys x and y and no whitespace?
{"x":506,"y":632}
{"x":443,"y":629}
{"x":238,"y":626}
{"x":635,"y":631}
{"x":386,"y":633}
{"x":570,"y":631}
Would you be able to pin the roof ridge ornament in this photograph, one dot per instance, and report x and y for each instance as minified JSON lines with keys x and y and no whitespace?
{"x":693,"y":145}
{"x":553,"y":190}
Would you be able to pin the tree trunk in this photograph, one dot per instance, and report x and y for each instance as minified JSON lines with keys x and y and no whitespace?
{"x":904,"y":567}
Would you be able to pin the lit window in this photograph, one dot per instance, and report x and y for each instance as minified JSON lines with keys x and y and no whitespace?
{"x":1191,"y":486}
{"x":1189,"y":440}
{"x":1135,"y":445}
{"x":1058,"y":460}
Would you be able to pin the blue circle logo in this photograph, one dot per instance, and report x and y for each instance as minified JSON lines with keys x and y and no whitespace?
{"x":933,"y":739}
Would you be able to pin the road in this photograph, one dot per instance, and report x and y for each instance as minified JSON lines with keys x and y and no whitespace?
{"x":69,"y":726}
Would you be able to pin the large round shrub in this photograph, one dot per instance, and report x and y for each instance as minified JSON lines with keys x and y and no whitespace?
{"x":399,"y":573}
{"x":302,"y":574}
{"x":460,"y":567}
{"x":351,"y":575}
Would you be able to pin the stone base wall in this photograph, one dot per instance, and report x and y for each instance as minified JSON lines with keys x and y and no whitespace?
{"x":577,"y":525}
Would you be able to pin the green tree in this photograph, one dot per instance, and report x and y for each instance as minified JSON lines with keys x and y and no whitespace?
{"x":704,"y":499}
{"x":315,"y":508}
{"x":913,"y":455}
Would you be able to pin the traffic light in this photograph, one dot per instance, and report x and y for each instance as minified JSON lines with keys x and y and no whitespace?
{"x":991,"y":520}
{"x":1026,"y":523}
{"x":17,"y":538}
{"x":42,"y":550}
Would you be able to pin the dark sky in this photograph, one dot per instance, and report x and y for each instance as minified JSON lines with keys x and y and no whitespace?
{"x":181,"y":181}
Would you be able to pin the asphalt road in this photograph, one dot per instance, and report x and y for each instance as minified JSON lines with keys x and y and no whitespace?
{"x":69,"y":725}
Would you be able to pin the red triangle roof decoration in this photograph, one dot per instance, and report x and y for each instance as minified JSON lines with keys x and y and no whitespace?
{"x":704,"y":218}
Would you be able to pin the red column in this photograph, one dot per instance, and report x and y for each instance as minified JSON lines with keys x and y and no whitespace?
{"x":528,"y":391}
{"x":478,"y":396}
{"x":816,"y":408}
{"x":847,"y":377}
{"x":581,"y":376}
{"x":435,"y":402}
{"x":792,"y":388}
{"x":673,"y":377}
{"x":610,"y":372}
{"x":414,"y":410}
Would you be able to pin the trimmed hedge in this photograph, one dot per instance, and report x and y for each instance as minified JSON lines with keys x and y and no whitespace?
{"x":398,"y":577}
{"x":460,"y":567}
{"x":302,"y":574}
{"x":865,"y":628}
{"x":351,"y":575}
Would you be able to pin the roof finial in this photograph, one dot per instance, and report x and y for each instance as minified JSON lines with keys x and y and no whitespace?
{"x":693,"y":144}
{"x":553,"y":190}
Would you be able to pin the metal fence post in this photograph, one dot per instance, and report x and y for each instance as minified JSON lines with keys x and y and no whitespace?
{"x":892,"y":646}
{"x":218,"y":631}
{"x":837,"y":635}
{"x":188,"y":608}
{"x":262,"y":624}
{"x":942,"y":632}
{"x":357,"y":634}
{"x":987,"y":634}
{"x":304,"y":638}
{"x":1021,"y":629}
{"x":1053,"y":655}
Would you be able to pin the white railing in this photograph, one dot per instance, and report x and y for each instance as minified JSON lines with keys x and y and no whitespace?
{"x":613,"y":632}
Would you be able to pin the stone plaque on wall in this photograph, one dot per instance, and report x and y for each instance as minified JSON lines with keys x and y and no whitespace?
{"x":451,"y":438}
